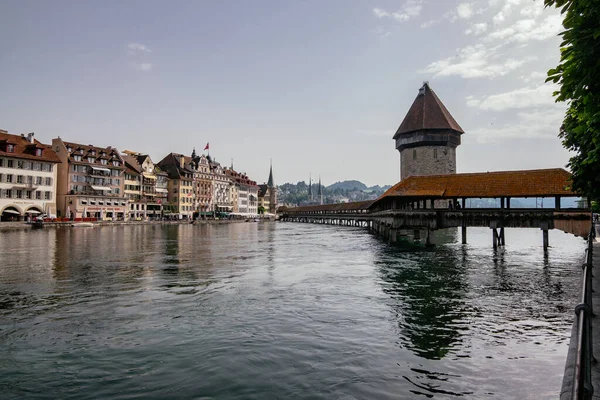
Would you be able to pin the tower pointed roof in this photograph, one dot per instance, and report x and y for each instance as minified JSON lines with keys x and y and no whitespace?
{"x":310,"y":187}
{"x":271,"y":183}
{"x":427,"y":112}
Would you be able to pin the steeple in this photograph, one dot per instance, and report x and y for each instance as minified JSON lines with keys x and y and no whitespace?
{"x":320,"y":191}
{"x":310,"y":197}
{"x":271,"y":183}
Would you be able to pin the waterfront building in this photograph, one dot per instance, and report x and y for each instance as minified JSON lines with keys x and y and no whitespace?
{"x":90,"y":181}
{"x":147,"y":203}
{"x":221,"y":187}
{"x":247,"y":193}
{"x":27,"y":177}
{"x":203,"y":184}
{"x":133,"y":188}
{"x":428,"y":137}
{"x":180,"y":186}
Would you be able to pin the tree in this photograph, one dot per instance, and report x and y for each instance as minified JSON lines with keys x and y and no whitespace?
{"x":578,"y":75}
{"x":261,"y":210}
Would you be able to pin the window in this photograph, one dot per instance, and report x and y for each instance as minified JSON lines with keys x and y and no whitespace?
{"x":47,"y":167}
{"x":47,"y":195}
{"x":38,"y":152}
{"x":1,"y":162}
{"x":30,"y":180}
{"x":116,"y":163}
{"x":38,"y":195}
{"x":10,"y":148}
{"x":37,"y":166}
{"x":434,"y":153}
{"x":77,"y":157}
{"x":48,"y":181}
{"x":414,"y":154}
{"x":19,"y":194}
{"x":91,"y":160}
{"x":20,"y":164}
{"x":93,"y":152}
{"x":9,"y":163}
{"x":115,"y":172}
{"x":19,"y":178}
{"x":38,"y":180}
{"x":28,"y":194}
{"x":9,"y":178}
{"x":8,"y":194}
{"x":103,"y":162}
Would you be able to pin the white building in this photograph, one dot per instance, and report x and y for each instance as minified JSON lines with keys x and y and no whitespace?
{"x":27,"y":177}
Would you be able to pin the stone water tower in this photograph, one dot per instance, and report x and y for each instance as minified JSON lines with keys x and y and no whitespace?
{"x":428,"y":137}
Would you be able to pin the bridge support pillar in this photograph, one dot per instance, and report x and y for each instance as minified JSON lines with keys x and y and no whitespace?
{"x":497,"y":233}
{"x":417,"y":235}
{"x":463,"y":230}
{"x":544,"y":227}
{"x":430,"y":238}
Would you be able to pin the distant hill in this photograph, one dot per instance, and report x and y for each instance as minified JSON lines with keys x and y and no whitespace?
{"x":339,"y":192}
{"x":348,"y":185}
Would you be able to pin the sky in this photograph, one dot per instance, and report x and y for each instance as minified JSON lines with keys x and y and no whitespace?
{"x":320,"y":87}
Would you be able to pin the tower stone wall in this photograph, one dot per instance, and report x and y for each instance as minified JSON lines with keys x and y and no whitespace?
{"x":427,"y":160}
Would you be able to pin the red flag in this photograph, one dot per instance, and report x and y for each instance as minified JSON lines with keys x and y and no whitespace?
{"x":206,"y":148}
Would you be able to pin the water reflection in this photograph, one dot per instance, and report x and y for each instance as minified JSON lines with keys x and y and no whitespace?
{"x":428,"y":290}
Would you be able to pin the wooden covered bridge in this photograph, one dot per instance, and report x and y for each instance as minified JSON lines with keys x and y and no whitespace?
{"x":419,"y":205}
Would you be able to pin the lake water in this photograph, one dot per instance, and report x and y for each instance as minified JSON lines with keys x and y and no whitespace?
{"x":282,"y":310}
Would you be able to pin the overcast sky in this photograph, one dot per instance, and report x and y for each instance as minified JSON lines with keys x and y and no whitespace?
{"x":318,"y":86}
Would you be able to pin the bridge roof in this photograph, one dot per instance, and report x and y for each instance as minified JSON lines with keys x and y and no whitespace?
{"x":357,"y":205}
{"x":531,"y":183}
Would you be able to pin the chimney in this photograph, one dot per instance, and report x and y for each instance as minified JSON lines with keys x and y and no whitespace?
{"x":182,"y":161}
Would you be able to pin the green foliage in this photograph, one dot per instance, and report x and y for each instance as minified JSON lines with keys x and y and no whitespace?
{"x":578,"y":75}
{"x":261,"y":210}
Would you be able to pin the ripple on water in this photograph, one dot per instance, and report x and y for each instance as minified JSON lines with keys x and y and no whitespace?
{"x":282,"y":310}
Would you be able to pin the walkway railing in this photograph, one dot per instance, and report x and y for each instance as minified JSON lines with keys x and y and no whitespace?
{"x":582,"y":381}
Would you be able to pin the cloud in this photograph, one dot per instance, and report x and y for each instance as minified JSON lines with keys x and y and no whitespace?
{"x":526,"y":30}
{"x":138,"y":48}
{"x":381,"y":32}
{"x":410,"y":9}
{"x":477,"y":29}
{"x":464,"y":10}
{"x":141,"y":66}
{"x":528,"y":97}
{"x":476,"y":61}
{"x":534,"y":124}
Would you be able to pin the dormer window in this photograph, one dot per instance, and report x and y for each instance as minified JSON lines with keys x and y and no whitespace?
{"x":116,"y":163}
{"x":77,"y":157}
{"x":103,"y":161}
{"x":10,"y":148}
{"x":91,"y":160}
{"x":38,"y":152}
{"x":93,"y":152}
{"x":69,"y":149}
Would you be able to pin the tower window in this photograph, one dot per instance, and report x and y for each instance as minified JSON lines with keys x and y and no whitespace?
{"x":434,"y":153}
{"x":414,"y":154}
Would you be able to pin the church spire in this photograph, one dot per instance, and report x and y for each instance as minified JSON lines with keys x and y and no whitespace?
{"x":320,"y":191}
{"x":310,"y":197}
{"x":271,"y":183}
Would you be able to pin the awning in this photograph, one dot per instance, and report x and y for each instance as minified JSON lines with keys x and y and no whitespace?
{"x":11,"y":212}
{"x":101,"y":169}
{"x":32,"y":212}
{"x":102,"y":188}
{"x":161,"y":190}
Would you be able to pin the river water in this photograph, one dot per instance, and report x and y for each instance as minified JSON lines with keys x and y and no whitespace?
{"x":282,"y":310}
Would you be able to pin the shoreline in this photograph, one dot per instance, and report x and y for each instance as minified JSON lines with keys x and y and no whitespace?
{"x":13,"y":226}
